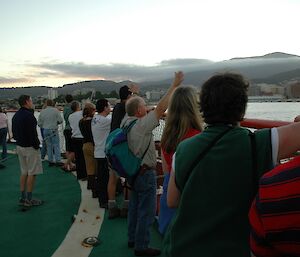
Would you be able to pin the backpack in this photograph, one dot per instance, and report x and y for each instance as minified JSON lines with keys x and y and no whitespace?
{"x":120,"y":157}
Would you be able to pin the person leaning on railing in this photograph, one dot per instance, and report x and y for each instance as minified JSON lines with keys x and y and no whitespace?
{"x":216,"y":173}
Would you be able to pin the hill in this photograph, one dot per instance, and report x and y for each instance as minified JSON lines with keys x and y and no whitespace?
{"x":272,"y":68}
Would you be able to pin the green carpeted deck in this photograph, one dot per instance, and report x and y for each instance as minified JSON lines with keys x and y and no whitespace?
{"x":39,"y":231}
{"x":113,"y":236}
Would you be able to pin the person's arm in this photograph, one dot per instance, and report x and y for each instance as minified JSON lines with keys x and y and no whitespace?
{"x":289,"y":140}
{"x":163,"y":103}
{"x":59,"y":118}
{"x":40,"y":121}
{"x":163,"y":162}
{"x":173,"y":195}
{"x":134,"y":89}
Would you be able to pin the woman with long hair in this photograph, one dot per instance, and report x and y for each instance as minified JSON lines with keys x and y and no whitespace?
{"x":183,"y":121}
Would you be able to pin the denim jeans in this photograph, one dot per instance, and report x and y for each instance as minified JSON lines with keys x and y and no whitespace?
{"x":52,"y":141}
{"x":3,"y":138}
{"x":141,"y":210}
{"x":165,"y":213}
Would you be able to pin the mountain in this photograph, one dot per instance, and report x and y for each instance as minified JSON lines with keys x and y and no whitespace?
{"x":272,"y":68}
{"x":268,"y":56}
{"x":280,"y":77}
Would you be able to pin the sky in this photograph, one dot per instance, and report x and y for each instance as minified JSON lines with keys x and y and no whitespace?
{"x":51,"y":43}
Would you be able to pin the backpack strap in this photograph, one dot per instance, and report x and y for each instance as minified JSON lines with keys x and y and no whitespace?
{"x":254,"y":162}
{"x":202,"y":154}
{"x":129,"y":126}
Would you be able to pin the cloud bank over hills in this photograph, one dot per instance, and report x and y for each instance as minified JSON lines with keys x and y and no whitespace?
{"x":273,"y":67}
{"x":258,"y":66}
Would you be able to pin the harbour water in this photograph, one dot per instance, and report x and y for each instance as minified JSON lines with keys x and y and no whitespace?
{"x":285,"y":111}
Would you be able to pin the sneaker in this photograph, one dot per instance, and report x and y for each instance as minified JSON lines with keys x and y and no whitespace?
{"x":51,"y":164}
{"x":147,"y":252}
{"x":21,"y":201}
{"x":113,"y":213}
{"x":32,"y":202}
{"x":124,"y":212}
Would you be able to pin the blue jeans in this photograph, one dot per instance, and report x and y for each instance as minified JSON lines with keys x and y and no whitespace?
{"x":44,"y":146}
{"x":141,"y":209}
{"x":165,"y":213}
{"x":3,"y":139}
{"x":52,"y":141}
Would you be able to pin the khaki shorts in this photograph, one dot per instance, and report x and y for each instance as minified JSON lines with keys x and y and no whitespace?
{"x":90,"y":162}
{"x":30,"y":160}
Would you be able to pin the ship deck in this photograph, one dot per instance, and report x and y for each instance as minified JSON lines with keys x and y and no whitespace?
{"x":48,"y":230}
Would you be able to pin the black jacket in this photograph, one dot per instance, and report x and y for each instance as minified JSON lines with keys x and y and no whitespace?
{"x":24,"y":128}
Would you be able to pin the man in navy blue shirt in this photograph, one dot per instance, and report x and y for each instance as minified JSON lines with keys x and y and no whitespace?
{"x":28,"y":149}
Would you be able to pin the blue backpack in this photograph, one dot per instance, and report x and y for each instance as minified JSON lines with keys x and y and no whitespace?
{"x":120,"y":157}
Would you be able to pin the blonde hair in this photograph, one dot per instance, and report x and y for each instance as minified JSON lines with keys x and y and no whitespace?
{"x":183,"y":114}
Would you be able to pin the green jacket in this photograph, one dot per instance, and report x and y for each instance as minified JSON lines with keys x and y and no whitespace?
{"x":212,"y":217}
{"x":67,"y":111}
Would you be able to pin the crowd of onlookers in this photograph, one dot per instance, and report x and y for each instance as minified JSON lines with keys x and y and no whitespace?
{"x":224,"y":193}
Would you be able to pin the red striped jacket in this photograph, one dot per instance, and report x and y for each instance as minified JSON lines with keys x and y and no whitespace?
{"x":275,"y":213}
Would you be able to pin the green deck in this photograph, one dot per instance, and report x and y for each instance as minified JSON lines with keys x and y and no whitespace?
{"x":39,"y":231}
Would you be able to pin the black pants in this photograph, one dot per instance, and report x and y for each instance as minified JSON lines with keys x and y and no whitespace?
{"x":102,"y":176}
{"x":79,"y":158}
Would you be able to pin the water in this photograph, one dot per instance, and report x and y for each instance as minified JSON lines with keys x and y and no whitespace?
{"x":285,"y":111}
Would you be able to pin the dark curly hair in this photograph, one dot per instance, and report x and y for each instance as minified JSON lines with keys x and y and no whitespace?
{"x":224,"y":98}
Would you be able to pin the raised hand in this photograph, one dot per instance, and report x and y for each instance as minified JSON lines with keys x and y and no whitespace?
{"x":134,"y":88}
{"x":178,"y":78}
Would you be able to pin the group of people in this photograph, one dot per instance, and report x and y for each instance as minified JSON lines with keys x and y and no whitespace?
{"x":221,"y":192}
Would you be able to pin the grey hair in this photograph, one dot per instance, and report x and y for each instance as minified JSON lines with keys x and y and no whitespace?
{"x":133,"y":104}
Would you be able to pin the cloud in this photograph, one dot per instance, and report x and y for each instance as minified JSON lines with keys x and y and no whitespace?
{"x":267,"y":65}
{"x":5,"y":80}
{"x":117,"y":71}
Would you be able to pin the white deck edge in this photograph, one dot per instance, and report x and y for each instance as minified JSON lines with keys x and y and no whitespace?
{"x":88,"y":223}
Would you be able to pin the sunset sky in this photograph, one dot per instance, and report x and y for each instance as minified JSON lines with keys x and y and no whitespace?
{"x":51,"y":43}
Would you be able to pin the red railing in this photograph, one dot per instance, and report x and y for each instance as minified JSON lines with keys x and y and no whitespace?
{"x":259,"y":123}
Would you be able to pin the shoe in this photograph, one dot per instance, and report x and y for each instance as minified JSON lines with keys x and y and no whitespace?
{"x":59,"y":164}
{"x":113,"y":213}
{"x":51,"y":164}
{"x":147,"y":252}
{"x":124,"y":212}
{"x":103,"y":205}
{"x":65,"y":169}
{"x":32,"y":202}
{"x":130,"y":244}
{"x":21,"y":201}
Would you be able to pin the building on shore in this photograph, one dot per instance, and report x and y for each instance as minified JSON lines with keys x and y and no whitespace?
{"x":52,"y":93}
